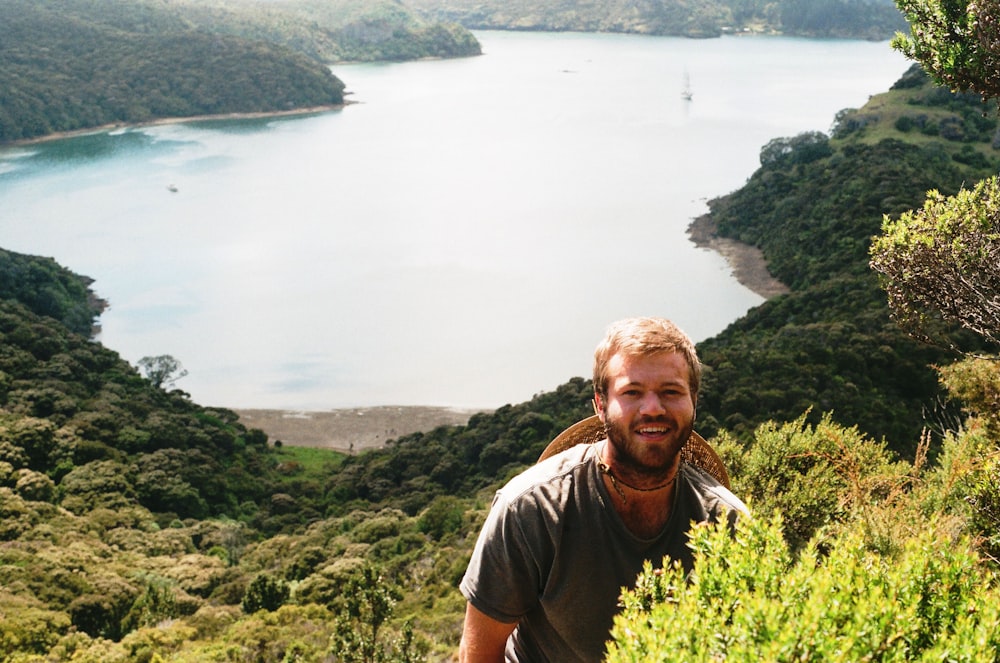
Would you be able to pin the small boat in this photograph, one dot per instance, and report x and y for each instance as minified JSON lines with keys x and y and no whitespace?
{"x":686,"y":93}
{"x":172,"y":188}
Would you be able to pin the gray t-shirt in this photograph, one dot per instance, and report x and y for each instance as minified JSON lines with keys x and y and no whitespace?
{"x":554,"y":554}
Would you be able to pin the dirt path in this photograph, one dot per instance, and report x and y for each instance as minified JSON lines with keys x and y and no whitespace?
{"x":351,"y":429}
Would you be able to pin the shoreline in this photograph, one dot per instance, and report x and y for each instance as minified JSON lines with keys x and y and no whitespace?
{"x":747,"y":262}
{"x":112,"y":126}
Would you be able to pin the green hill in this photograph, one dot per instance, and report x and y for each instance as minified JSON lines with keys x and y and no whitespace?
{"x":334,"y":30}
{"x":865,"y":19}
{"x":813,"y":207}
{"x":75,"y":64}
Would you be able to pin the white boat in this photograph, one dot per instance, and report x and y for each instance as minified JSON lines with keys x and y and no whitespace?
{"x":686,"y":93}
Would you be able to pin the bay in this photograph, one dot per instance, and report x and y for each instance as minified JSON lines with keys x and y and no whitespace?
{"x":460,"y":235}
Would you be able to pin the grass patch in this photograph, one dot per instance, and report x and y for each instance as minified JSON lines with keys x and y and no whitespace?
{"x":307,"y":463}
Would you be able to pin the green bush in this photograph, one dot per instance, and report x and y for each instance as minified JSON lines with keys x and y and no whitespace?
{"x":265,"y":592}
{"x":749,"y":599}
{"x":816,"y":476}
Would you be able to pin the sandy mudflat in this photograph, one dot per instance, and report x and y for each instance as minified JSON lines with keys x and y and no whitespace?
{"x":350,"y":429}
{"x":747,"y":262}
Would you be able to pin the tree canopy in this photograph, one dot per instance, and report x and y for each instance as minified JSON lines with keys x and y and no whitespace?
{"x":943,"y":261}
{"x":956,"y":41}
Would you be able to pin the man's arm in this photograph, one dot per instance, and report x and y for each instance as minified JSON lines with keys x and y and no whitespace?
{"x":483,"y":638}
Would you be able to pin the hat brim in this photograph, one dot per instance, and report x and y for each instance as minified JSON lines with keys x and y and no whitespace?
{"x":695,"y":451}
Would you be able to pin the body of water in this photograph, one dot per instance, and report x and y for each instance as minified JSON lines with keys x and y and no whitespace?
{"x":459,"y":236}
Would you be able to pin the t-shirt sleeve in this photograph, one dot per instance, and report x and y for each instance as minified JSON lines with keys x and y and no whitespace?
{"x":503,"y":579}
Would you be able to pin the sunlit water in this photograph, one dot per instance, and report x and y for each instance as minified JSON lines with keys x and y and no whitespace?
{"x":460,"y":236}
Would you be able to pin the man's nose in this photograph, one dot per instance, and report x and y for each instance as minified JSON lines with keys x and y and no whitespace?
{"x":651,"y":405}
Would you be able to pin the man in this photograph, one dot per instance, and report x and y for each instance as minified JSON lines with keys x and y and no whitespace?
{"x":566,"y":535}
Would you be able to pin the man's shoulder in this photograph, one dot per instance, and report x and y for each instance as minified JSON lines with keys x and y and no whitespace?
{"x":557,"y":470}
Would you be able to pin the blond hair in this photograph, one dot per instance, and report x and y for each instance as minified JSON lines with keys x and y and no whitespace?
{"x":644,"y":336}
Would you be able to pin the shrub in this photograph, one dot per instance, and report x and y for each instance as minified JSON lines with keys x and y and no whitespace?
{"x":28,"y":626}
{"x":816,"y":476}
{"x":443,"y":516}
{"x":749,"y":599}
{"x":265,"y":592}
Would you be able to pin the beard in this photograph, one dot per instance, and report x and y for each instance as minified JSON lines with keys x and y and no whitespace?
{"x":642,"y":460}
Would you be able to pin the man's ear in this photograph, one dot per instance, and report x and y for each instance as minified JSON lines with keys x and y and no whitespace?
{"x":598,"y":405}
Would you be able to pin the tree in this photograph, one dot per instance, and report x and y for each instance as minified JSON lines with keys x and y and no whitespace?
{"x":368,"y":602}
{"x":943,"y":261}
{"x":162,"y":370}
{"x":265,"y":592}
{"x":956,"y":41}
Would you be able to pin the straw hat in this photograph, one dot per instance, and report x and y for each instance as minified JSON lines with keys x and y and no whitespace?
{"x":695,"y":451}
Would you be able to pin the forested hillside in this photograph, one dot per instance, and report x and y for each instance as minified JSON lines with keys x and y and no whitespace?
{"x":813,"y":207}
{"x":74,"y":64}
{"x":134,"y":522}
{"x":334,"y":30}
{"x":49,"y":289}
{"x":865,"y":19}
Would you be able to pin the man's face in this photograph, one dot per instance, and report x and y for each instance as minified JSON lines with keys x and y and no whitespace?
{"x":648,"y":411}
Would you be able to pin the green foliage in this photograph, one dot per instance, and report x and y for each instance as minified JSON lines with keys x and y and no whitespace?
{"x":101,"y":612}
{"x":368,"y":602}
{"x":957,"y":41}
{"x":76,"y":64}
{"x":161,"y":370}
{"x":975,"y":382}
{"x":156,"y":604}
{"x":73,"y":64}
{"x":28,"y":626}
{"x":49,"y":289}
{"x":750,"y":599}
{"x":107,"y":437}
{"x":443,"y":516}
{"x":816,"y":477}
{"x":265,"y":593}
{"x":106,"y":481}
{"x":334,"y":31}
{"x":943,"y":262}
{"x":840,"y":18}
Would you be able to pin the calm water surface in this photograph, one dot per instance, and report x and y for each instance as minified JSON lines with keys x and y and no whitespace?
{"x":460,"y":236}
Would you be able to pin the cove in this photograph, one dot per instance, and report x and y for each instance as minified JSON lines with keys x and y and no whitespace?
{"x":459,"y":235}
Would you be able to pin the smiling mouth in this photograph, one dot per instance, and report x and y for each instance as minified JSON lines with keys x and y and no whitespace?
{"x":651,"y":430}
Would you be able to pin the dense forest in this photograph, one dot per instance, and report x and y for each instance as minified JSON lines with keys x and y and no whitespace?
{"x":74,"y":64}
{"x":866,"y":19}
{"x":140,"y":526}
